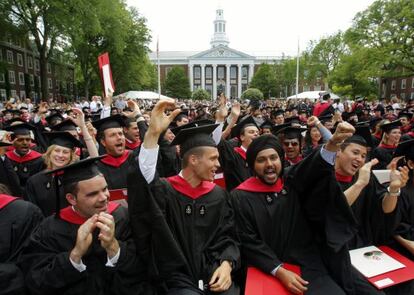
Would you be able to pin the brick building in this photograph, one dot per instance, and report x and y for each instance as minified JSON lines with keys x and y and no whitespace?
{"x":401,"y":87}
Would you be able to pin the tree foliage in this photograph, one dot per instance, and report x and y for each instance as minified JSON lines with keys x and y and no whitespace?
{"x":265,"y":80}
{"x":201,"y":94}
{"x":252,"y":94}
{"x":176,"y":83}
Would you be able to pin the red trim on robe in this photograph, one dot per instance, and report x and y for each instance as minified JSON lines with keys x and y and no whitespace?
{"x":116,"y":162}
{"x":378,"y":136}
{"x":411,"y":133}
{"x":31,"y":155}
{"x":254,"y":184}
{"x":405,"y":129}
{"x":78,"y":151}
{"x":132,"y":145}
{"x":183,"y":187}
{"x":295,"y":160}
{"x":387,"y":146}
{"x":241,"y":152}
{"x":343,"y":178}
{"x":5,"y":200}
{"x":71,"y":216}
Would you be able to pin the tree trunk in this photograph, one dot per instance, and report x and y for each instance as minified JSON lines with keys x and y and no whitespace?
{"x":43,"y":76}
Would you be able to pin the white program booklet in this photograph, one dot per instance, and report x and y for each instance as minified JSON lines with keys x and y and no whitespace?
{"x":371,"y":261}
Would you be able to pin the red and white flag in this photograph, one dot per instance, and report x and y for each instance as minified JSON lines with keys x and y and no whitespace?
{"x":106,"y":74}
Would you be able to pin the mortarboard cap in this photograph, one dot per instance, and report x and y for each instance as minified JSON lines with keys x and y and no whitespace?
{"x":325,"y":118}
{"x":387,"y":127}
{"x":54,"y":118}
{"x":66,"y":125}
{"x":21,"y":129}
{"x":276,"y":128}
{"x":405,"y":148}
{"x":192,"y":137}
{"x":292,"y":131}
{"x":4,"y":144}
{"x":239,"y":127}
{"x":374,"y":121}
{"x":362,"y":136}
{"x":291,"y":120}
{"x":115,"y":121}
{"x":389,"y":108}
{"x":405,"y":114}
{"x":23,"y":109}
{"x":63,"y":138}
{"x":192,"y":124}
{"x":266,"y":124}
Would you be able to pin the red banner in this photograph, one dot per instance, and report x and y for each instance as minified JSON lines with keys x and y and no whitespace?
{"x":106,"y":73}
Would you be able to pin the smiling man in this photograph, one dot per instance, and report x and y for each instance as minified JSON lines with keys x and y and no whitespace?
{"x":87,"y":247}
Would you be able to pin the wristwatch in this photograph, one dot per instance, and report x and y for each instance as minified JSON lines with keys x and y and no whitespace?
{"x":396,"y":194}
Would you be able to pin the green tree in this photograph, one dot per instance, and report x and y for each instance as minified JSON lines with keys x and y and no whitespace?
{"x":201,"y":94}
{"x":265,"y":80}
{"x":176,"y":84}
{"x":252,"y":94}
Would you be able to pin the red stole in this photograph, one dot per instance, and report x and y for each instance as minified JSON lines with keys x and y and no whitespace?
{"x":343,"y":178}
{"x":183,"y":187}
{"x":31,"y":155}
{"x":132,"y":145}
{"x":254,"y":184}
{"x":241,"y":152}
{"x":78,"y":151}
{"x":115,"y":162}
{"x":71,"y":216}
{"x":295,"y":160}
{"x":5,"y":200}
{"x":386,"y":146}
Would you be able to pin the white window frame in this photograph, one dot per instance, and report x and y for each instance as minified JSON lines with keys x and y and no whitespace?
{"x":22,"y":94}
{"x":3,"y":94}
{"x":19,"y":59}
{"x":31,"y":80}
{"x":12,"y":75}
{"x":403,"y":83}
{"x":49,"y":83}
{"x":13,"y":93}
{"x":10,"y":57}
{"x":21,"y":78}
{"x":2,"y":78}
{"x":30,"y":62}
{"x":393,"y":84}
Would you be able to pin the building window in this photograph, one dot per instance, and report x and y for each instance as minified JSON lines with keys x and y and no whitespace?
{"x":12,"y":77}
{"x":244,"y":72}
{"x":3,"y":94}
{"x":49,"y":68}
{"x":209,"y":72}
{"x":9,"y":56}
{"x":2,"y":79}
{"x":30,"y":62}
{"x":49,"y":83}
{"x":403,"y":83}
{"x":233,"y":72}
{"x":31,"y":80}
{"x":19,"y":60}
{"x":393,"y":84}
{"x":13,"y":93}
{"x":21,"y":78}
{"x":22,"y":94}
{"x":39,"y":81}
{"x":317,"y":88}
{"x":220,"y":72}
{"x":37,"y":66}
{"x":197,"y":72}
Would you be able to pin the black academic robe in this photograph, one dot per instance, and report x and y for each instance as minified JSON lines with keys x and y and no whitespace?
{"x":26,"y":166}
{"x":115,"y":170}
{"x":169,"y":162}
{"x":41,"y":191}
{"x":375,"y":140}
{"x":17,"y":221}
{"x":374,"y":226}
{"x":9,"y":177}
{"x":182,"y":232}
{"x":384,"y":154}
{"x":48,"y":269}
{"x":273,"y":225}
{"x":233,"y":163}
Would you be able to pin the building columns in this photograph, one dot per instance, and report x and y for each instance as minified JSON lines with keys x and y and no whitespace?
{"x":203,"y":80}
{"x":214,"y":96}
{"x":190,"y":68}
{"x":228,"y":80}
{"x":251,"y":71}
{"x":239,"y":80}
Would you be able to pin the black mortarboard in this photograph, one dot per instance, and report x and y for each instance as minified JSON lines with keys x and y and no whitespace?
{"x":75,"y":172}
{"x":405,"y":148}
{"x":374,"y":121}
{"x":405,"y":114}
{"x":66,"y":125}
{"x":325,"y":118}
{"x":3,"y":144}
{"x":192,"y":124}
{"x":392,"y":125}
{"x":63,"y":138}
{"x":237,"y":129}
{"x":276,"y":128}
{"x":21,"y":129}
{"x":255,"y":104}
{"x":292,"y":131}
{"x":389,"y":108}
{"x":53,"y":118}
{"x":11,"y":121}
{"x":362,"y":136}
{"x":325,"y":95}
{"x":291,"y":120}
{"x":192,"y":137}
{"x":115,"y":121}
{"x":266,"y":124}
{"x":23,"y":109}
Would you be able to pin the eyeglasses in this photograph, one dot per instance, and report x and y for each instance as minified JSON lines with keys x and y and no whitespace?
{"x":290,"y":143}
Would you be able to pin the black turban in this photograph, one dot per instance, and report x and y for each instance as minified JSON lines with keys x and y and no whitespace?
{"x":261,"y":143}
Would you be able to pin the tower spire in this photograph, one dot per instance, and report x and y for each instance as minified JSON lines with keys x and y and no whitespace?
{"x":219,"y":37}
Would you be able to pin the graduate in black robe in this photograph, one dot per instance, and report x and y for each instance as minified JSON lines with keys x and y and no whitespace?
{"x":271,"y":219}
{"x":18,"y":219}
{"x":233,"y":159}
{"x":25,"y":161}
{"x":8,"y":176}
{"x":87,"y":248}
{"x":184,"y":231}
{"x":385,"y":150}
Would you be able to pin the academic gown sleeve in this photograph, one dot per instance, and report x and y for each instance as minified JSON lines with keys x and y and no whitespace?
{"x":384,"y":156}
{"x":9,"y":177}
{"x":253,"y":248}
{"x":405,"y":225}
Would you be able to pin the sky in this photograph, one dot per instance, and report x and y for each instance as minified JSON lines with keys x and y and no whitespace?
{"x":268,"y":27}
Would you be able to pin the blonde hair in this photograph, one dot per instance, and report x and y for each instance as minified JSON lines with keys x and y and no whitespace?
{"x":50,"y":149}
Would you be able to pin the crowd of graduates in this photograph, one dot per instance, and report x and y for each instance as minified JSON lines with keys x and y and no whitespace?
{"x":182,"y":197}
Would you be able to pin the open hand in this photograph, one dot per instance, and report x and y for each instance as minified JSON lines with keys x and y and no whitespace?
{"x":291,"y":281}
{"x":221,"y":279}
{"x":83,"y":239}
